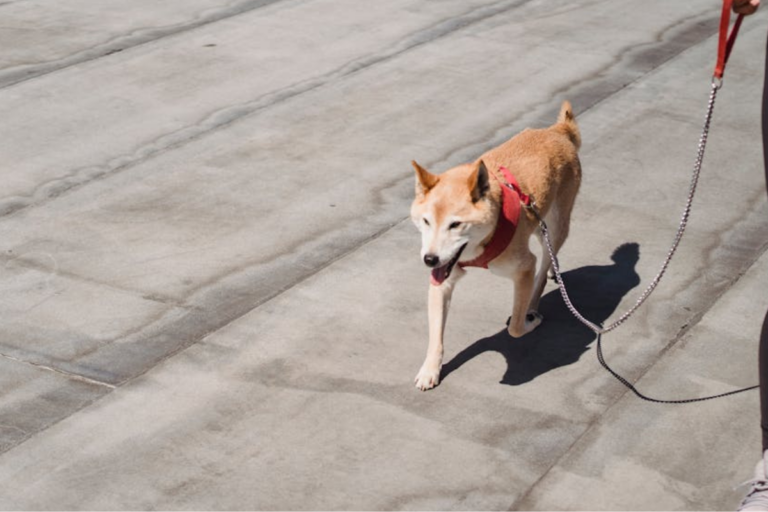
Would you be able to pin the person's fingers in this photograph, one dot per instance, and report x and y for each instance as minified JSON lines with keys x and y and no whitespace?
{"x":745,"y":6}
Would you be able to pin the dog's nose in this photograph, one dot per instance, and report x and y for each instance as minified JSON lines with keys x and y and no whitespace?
{"x":431,"y":260}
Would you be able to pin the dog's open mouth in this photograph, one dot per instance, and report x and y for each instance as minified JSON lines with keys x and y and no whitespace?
{"x":440,"y":274}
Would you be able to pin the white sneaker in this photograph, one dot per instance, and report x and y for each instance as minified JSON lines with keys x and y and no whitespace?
{"x":757,"y":497}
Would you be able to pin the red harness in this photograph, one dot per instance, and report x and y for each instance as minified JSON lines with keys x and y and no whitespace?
{"x":512,"y":199}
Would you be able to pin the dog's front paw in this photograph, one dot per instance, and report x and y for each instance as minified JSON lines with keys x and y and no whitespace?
{"x":533,"y":319}
{"x":427,"y":378}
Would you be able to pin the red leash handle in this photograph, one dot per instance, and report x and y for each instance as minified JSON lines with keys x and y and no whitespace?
{"x":725,"y":44}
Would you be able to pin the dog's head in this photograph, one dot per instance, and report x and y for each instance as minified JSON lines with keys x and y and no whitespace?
{"x":454,"y":213}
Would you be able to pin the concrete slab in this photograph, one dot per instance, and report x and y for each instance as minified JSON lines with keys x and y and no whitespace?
{"x":41,"y":37}
{"x":293,"y":351}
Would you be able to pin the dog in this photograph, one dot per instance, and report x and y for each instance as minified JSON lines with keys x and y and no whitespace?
{"x":471,"y":215}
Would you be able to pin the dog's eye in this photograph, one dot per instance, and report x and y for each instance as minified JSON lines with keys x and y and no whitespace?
{"x":426,"y":221}
{"x":454,"y":225}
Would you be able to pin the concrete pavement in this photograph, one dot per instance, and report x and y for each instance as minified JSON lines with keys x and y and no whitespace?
{"x":212,"y":298}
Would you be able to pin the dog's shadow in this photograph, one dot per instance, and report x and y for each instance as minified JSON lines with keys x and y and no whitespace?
{"x":561,"y":339}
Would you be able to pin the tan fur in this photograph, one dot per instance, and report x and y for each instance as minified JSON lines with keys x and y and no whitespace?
{"x":546,"y":164}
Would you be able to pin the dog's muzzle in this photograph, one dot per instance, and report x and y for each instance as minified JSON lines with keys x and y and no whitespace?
{"x":440,"y":274}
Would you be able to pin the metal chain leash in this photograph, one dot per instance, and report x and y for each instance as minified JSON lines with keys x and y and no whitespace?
{"x":716,"y":84}
{"x":600,"y":330}
{"x":632,"y":388}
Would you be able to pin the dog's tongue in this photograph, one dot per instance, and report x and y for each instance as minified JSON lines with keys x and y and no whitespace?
{"x":438,"y":275}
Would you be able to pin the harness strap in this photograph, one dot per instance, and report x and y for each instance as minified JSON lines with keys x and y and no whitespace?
{"x":514,"y":185}
{"x":512,"y":199}
{"x":725,"y":43}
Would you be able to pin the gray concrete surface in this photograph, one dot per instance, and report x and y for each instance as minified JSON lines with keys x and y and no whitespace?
{"x":212,"y":298}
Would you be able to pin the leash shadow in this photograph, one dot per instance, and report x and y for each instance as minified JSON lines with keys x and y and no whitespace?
{"x":561,"y":339}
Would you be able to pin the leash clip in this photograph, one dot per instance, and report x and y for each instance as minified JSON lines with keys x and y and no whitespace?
{"x":530,"y":204}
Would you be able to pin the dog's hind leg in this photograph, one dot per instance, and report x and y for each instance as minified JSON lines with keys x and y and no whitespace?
{"x":541,"y":277}
{"x":558,"y":222}
{"x":556,"y":235}
{"x":521,"y":323}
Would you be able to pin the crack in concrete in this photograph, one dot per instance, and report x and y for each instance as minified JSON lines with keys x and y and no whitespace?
{"x":18,"y":74}
{"x":58,"y":371}
{"x":14,"y":428}
{"x":31,"y":264}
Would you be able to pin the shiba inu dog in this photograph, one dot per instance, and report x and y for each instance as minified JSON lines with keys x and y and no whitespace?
{"x":471,"y":215}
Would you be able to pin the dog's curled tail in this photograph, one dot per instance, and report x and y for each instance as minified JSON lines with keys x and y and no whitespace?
{"x":566,"y":121}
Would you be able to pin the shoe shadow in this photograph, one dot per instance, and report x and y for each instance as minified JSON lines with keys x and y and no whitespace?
{"x":596,"y":291}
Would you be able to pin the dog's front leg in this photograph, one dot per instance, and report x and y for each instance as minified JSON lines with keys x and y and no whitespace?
{"x":439,"y":302}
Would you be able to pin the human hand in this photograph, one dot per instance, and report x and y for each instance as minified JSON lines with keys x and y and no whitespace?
{"x":745,"y":6}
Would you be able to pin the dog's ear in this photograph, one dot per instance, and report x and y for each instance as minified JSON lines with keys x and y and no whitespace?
{"x":478,"y":182}
{"x":425,"y":180}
